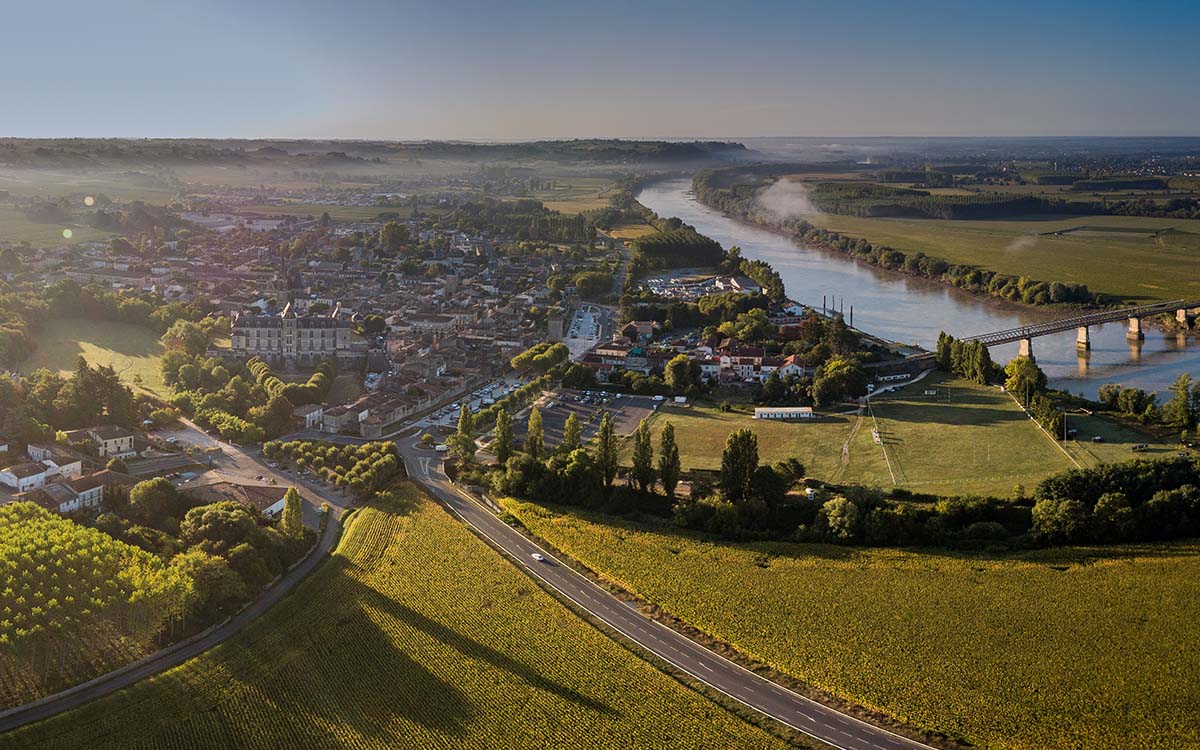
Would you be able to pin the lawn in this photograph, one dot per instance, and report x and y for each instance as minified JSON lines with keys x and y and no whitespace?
{"x":1138,"y":266}
{"x":970,"y":439}
{"x":133,"y":351}
{"x":414,"y":635}
{"x":1077,"y":648}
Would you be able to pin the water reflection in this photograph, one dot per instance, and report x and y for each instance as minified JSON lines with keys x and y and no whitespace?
{"x":913,"y":311}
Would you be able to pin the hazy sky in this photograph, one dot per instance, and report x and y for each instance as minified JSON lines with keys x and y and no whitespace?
{"x":449,"y":69}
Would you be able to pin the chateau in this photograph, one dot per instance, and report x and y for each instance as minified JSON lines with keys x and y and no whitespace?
{"x":291,"y":339}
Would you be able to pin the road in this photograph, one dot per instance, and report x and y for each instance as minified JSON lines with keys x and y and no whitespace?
{"x":800,"y":713}
{"x":173,"y":657}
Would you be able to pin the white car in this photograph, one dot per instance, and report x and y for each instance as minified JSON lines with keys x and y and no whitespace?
{"x":538,"y":556}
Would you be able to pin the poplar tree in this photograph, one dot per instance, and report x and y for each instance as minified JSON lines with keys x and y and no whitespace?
{"x":292,"y":522}
{"x":534,"y":436}
{"x":643,"y":458}
{"x":668,"y":459}
{"x":502,"y":437}
{"x":607,"y":451}
{"x":572,"y":434}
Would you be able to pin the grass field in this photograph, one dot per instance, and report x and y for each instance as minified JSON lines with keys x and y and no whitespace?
{"x":16,"y":228}
{"x":1134,"y":266}
{"x":337,"y":213}
{"x":976,"y":442}
{"x":133,"y":351}
{"x":1048,"y":650}
{"x":414,"y":635}
{"x":573,"y":194}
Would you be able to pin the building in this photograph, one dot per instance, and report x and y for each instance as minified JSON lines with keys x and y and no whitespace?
{"x":308,"y":416}
{"x":78,"y":493}
{"x":58,"y":461}
{"x":291,"y":338}
{"x":267,"y":500}
{"x":111,"y":441}
{"x":783,"y":412}
{"x":23,"y":476}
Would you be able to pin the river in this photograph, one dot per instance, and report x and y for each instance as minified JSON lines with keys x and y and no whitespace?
{"x":913,"y":311}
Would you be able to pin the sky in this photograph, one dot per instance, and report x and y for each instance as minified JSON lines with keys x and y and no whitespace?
{"x":396,"y":70}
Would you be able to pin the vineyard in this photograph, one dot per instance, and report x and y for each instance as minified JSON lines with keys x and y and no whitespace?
{"x":414,"y":635}
{"x":1091,"y":647}
{"x":75,"y":603}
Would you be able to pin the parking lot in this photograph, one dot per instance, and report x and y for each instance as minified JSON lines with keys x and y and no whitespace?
{"x":477,"y":401}
{"x":589,"y":326}
{"x":627,"y":411}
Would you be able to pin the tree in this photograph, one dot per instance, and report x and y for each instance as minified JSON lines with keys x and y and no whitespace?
{"x":219,"y":589}
{"x":738,"y":463}
{"x":774,"y":390}
{"x":502,"y":437}
{"x":218,"y":526}
{"x":607,"y":453}
{"x":466,"y":422}
{"x":838,"y":378}
{"x":534,"y":436}
{"x":186,"y":336}
{"x":1179,"y":411}
{"x":154,"y":500}
{"x":291,"y":523}
{"x":1024,"y":379}
{"x":668,"y":460}
{"x":393,"y":235}
{"x":572,"y":435}
{"x":643,"y":457}
{"x":841,"y":519}
{"x":117,"y":465}
{"x":681,"y":374}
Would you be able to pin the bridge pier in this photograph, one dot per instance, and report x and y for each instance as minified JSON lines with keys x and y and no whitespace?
{"x":1083,"y":339}
{"x":1135,"y":330}
{"x":1026,"y":349}
{"x":1181,"y":315}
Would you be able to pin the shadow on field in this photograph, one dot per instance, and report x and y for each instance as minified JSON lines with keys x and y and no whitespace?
{"x":400,"y":614}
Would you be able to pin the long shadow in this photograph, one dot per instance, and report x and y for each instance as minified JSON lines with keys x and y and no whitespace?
{"x":473,"y":649}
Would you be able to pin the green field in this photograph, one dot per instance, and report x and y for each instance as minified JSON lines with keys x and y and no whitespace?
{"x":15,"y":227}
{"x":133,"y":351}
{"x":630,"y":230}
{"x":414,"y":635}
{"x":572,"y":194}
{"x":970,"y":439}
{"x":1048,"y":650}
{"x":1135,"y":266}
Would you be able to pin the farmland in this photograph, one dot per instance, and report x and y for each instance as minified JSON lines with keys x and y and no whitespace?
{"x":1142,"y":265}
{"x":970,"y":439}
{"x":133,"y":351}
{"x":15,"y":227}
{"x":1084,"y":647}
{"x":414,"y":634}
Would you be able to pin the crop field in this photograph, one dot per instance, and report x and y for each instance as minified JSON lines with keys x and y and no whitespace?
{"x":969,"y":439}
{"x":574,"y":194}
{"x":630,"y":230}
{"x":336,"y":212}
{"x":414,"y":635}
{"x":133,"y":351}
{"x":1138,"y":266}
{"x":1075,"y":648}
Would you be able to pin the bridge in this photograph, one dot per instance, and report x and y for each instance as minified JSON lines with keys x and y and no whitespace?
{"x":1184,"y":311}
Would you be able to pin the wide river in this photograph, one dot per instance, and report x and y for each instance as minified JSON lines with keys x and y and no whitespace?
{"x":913,"y":311}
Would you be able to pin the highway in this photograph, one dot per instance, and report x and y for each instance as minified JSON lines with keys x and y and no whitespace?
{"x":807,"y":716}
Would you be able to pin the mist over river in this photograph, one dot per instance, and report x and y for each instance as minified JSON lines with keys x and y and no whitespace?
{"x":913,"y":311}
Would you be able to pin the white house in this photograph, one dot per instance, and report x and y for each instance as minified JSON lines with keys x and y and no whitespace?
{"x":111,"y":441}
{"x":58,"y":462}
{"x":309,"y":415}
{"x":23,"y":476}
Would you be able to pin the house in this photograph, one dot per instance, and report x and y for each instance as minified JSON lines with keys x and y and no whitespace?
{"x":110,"y":441}
{"x":639,"y":331}
{"x":23,"y":476}
{"x":267,"y":500}
{"x":792,"y":365}
{"x":309,"y":416}
{"x":78,"y":493}
{"x":58,"y":461}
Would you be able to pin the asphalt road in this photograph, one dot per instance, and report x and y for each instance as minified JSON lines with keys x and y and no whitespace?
{"x":814,"y":719}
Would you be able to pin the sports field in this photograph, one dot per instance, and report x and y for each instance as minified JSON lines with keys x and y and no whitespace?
{"x":414,"y":635}
{"x":1048,"y":650}
{"x":1144,"y":264}
{"x":133,"y":351}
{"x":962,"y":439}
